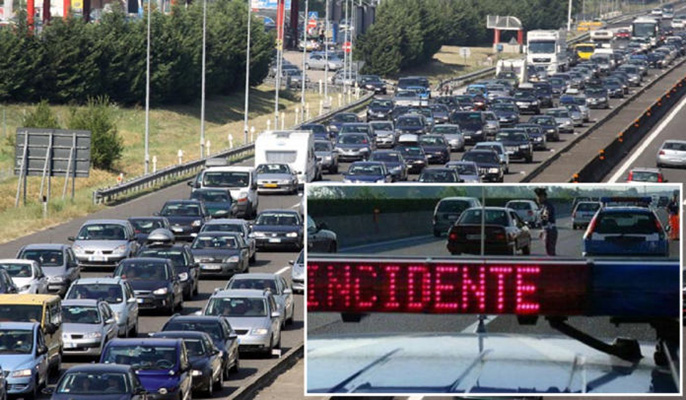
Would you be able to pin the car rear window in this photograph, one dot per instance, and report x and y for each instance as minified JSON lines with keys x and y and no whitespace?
{"x":588,"y":207}
{"x":675,"y":146}
{"x":626,"y":222}
{"x":519,"y":205}
{"x":453,"y":206}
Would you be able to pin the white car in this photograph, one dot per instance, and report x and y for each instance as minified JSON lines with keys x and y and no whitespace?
{"x":27,"y":275}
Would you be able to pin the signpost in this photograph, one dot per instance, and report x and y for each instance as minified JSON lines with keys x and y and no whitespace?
{"x":312,"y":18}
{"x":51,"y":152}
{"x":465,"y":52}
{"x":347,"y":47}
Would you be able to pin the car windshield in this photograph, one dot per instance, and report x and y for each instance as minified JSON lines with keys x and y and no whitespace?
{"x":446,"y":130}
{"x":146,"y":225}
{"x":595,"y":91}
{"x":345,"y":118}
{"x":143,"y":271}
{"x":432,"y":140}
{"x":453,"y":206}
{"x":315,"y":128}
{"x":386,"y":157}
{"x":504,"y":107}
{"x":542,"y":121}
{"x":382,"y":126}
{"x":195,"y":347}
{"x":512,"y":136}
{"x":142,"y":356}
{"x":481,"y":157}
{"x":588,"y":207}
{"x":15,"y":341}
{"x":211,"y":196}
{"x":353,"y":139}
{"x":214,"y":242}
{"x":273,"y":169}
{"x":97,"y":383}
{"x":411,"y":151}
{"x":237,"y":307}
{"x":17,"y":270}
{"x":226,"y":179}
{"x":519,"y":205}
{"x":557,"y":81}
{"x":439,"y":107}
{"x":411,"y":122}
{"x":493,"y":217}
{"x":80,"y":315}
{"x":365,"y":169}
{"x":21,"y":313}
{"x":102,"y":232}
{"x":275,"y":218}
{"x":645,"y":176}
{"x":212,"y":328}
{"x":498,"y":148}
{"x":464,"y":168}
{"x":558,"y":113}
{"x":111,"y":293}
{"x":252,"y":283}
{"x":175,"y":255}
{"x":678,"y":146}
{"x":621,"y":223}
{"x":354,"y":128}
{"x":181,"y":210}
{"x":381,"y":103}
{"x":434,"y":175}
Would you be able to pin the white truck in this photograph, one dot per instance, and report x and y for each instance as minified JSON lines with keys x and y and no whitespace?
{"x":548,"y":48}
{"x":602,"y":38}
{"x":295,"y":148}
{"x":646,"y":28}
{"x":516,"y":65}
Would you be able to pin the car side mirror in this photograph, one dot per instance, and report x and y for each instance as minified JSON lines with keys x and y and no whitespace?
{"x":191,"y":183}
{"x":157,"y":214}
{"x":291,"y":262}
{"x":288,"y":291}
{"x":110,"y":321}
{"x":71,"y":239}
{"x":276,"y":314}
{"x":141,"y":391}
{"x":233,"y":335}
{"x":131,"y":300}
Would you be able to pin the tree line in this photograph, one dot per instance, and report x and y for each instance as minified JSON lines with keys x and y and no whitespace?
{"x":71,"y":61}
{"x":409,"y":32}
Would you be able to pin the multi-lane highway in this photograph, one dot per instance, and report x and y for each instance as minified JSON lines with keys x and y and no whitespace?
{"x":272,"y":262}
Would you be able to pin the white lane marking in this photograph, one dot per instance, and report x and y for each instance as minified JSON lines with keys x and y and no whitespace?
{"x":282,"y":270}
{"x":415,"y":398}
{"x":296,"y":205}
{"x":637,"y":152}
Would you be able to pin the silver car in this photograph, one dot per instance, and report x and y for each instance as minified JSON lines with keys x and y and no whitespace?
{"x":104,"y":242}
{"x":384,"y":134}
{"x":672,"y":153}
{"x":87,"y":326}
{"x":467,"y":171}
{"x":282,"y":291}
{"x":499,"y":148}
{"x":24,"y":358}
{"x":583,"y":213}
{"x":575,"y":114}
{"x":27,"y":275}
{"x":562,"y":118}
{"x":253,"y":314}
{"x":326,"y":155}
{"x":57,"y":261}
{"x":318,"y":61}
{"x":233,"y":225}
{"x":298,"y":273}
{"x":276,"y":178}
{"x":452,"y":134}
{"x":492,"y":124}
{"x":527,"y":210}
{"x":117,"y":293}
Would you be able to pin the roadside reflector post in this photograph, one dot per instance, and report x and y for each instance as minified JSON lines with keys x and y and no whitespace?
{"x":207,"y":146}
{"x":230,"y":141}
{"x":45,"y":207}
{"x":297,"y":112}
{"x":340,"y":99}
{"x":283,"y":120}
{"x":252,"y":134}
{"x":154,"y":164}
{"x":269,"y":125}
{"x":321,"y":86}
{"x":601,"y":154}
{"x":321,"y":107}
{"x":179,"y":154}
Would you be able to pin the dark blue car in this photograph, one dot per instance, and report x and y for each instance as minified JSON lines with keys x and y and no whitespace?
{"x":218,"y":202}
{"x":154,"y":282}
{"x":186,"y":217}
{"x":278,"y":228}
{"x":367,"y":172}
{"x":162,"y":365}
{"x":101,"y":382}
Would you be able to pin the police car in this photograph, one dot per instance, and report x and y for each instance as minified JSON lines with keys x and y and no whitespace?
{"x":625,"y":226}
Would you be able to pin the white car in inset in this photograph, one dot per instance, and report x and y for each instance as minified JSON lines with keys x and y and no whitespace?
{"x":27,"y":275}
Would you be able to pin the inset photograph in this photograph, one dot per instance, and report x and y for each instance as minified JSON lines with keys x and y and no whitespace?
{"x":497,"y":289}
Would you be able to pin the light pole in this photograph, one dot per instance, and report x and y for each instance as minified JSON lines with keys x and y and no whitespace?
{"x":247,"y":79}
{"x":281,"y":11}
{"x":202,"y":98}
{"x":302,"y":81}
{"x":569,"y":17}
{"x":326,"y":55}
{"x":147,"y":96}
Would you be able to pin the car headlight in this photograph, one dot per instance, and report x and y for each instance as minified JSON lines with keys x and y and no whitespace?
{"x":196,"y":373}
{"x":162,"y":390}
{"x":21,"y":373}
{"x":398,"y":168}
{"x":197,"y":222}
{"x":93,"y":335}
{"x":183,"y":277}
{"x":258,"y":234}
{"x":77,"y":248}
{"x":117,"y":316}
{"x":232,"y":259}
{"x":161,"y":291}
{"x":327,"y":158}
{"x":259,"y":331}
{"x":364,"y":150}
{"x":292,"y":234}
{"x":119,"y":249}
{"x":567,"y":122}
{"x":56,"y":279}
{"x":478,"y":132}
{"x":551,"y":130}
{"x":523,"y":146}
{"x":493,"y":170}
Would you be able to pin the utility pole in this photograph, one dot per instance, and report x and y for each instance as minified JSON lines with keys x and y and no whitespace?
{"x":302,"y":81}
{"x":247,"y":79}
{"x":326,"y":56}
{"x":569,"y":17}
{"x":202,"y":99}
{"x":147,"y":95}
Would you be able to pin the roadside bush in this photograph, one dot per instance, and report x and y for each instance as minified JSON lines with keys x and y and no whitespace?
{"x":98,"y":117}
{"x":41,"y":117}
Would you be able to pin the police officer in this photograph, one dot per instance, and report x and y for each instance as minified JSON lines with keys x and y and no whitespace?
{"x":673,"y":210}
{"x":547,"y":220}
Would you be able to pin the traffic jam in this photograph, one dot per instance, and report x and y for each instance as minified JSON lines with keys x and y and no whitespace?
{"x":559,"y":284}
{"x":160,"y":306}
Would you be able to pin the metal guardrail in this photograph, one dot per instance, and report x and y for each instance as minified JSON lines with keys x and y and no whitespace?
{"x":176,"y":172}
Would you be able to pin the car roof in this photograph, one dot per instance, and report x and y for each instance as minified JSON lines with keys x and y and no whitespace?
{"x":26,"y":298}
{"x":485,"y":144}
{"x":122,"y":368}
{"x":46,"y":246}
{"x":195,"y":318}
{"x":218,"y":221}
{"x":240,"y":293}
{"x":255,"y":275}
{"x":645,"y":169}
{"x":146,"y":259}
{"x":181,"y":334}
{"x":183,"y":201}
{"x":278,"y":210}
{"x":232,"y":168}
{"x":149,"y":218}
{"x":19,"y":325}
{"x":99,"y":280}
{"x":637,"y":209}
{"x":106,"y":221}
{"x":18,"y":261}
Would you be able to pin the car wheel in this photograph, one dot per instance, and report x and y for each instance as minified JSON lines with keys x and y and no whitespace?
{"x":219,"y":384}
{"x":334,"y":170}
{"x":210,"y":389}
{"x":34,"y":393}
{"x":526,"y":250}
{"x":134,"y":331}
{"x":253,"y":258}
{"x":268,"y":352}
{"x":332,"y":248}
{"x":187,"y":295}
{"x":170,"y":308}
{"x":196,"y":290}
{"x":236,"y":365}
{"x":289,"y":321}
{"x":529,"y":159}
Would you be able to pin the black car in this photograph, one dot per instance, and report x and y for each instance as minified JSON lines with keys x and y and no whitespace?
{"x":379,"y":109}
{"x":536,"y":134}
{"x":221,"y":253}
{"x":414,"y":156}
{"x":436,"y":148}
{"x":441,"y":113}
{"x":398,"y":111}
{"x":373,"y":82}
{"x":472,"y":125}
{"x":597,"y":98}
{"x":517,"y":144}
{"x":319,"y":238}
{"x":411,"y":123}
{"x":142,"y":226}
{"x":98,"y":382}
{"x":526,"y":101}
{"x":223,"y":336}
{"x":339,"y":119}
{"x":549,"y":125}
{"x":544,"y":92}
{"x":184,"y":264}
{"x":464,"y":103}
{"x":218,"y":202}
{"x":278,"y":229}
{"x":154,"y":282}
{"x":186,"y":217}
{"x":508,"y":114}
{"x":318,"y":130}
{"x":488,"y":162}
{"x":204,"y":357}
{"x":558,"y":86}
{"x":439,"y":175}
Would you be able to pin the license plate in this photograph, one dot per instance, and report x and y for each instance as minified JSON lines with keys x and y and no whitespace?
{"x":212,"y":267}
{"x":70,"y":345}
{"x":473,"y":237}
{"x":270,"y":185}
{"x":274,"y":240}
{"x":177,"y":229}
{"x":97,"y":258}
{"x":512,"y":149}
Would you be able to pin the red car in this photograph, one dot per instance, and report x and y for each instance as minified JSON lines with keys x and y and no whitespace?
{"x":623,"y":34}
{"x":505,"y":232}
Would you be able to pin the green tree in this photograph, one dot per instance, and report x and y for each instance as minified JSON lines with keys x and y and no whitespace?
{"x":41,"y":117}
{"x":98,"y":118}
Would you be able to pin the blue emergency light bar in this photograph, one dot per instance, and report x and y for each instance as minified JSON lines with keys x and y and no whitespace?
{"x":514,"y":286}
{"x":638,"y":201}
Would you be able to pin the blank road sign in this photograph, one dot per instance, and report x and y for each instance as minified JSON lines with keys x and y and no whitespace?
{"x":59,"y":152}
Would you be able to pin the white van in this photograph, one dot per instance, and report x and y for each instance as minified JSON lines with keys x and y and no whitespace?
{"x":241,"y":182}
{"x":295,"y":148}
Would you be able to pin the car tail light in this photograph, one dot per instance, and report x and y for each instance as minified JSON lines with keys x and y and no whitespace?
{"x":662,"y":152}
{"x":659,"y":178}
{"x":631,"y":176}
{"x":530,"y":212}
{"x":658,"y":225}
{"x":452,"y":236}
